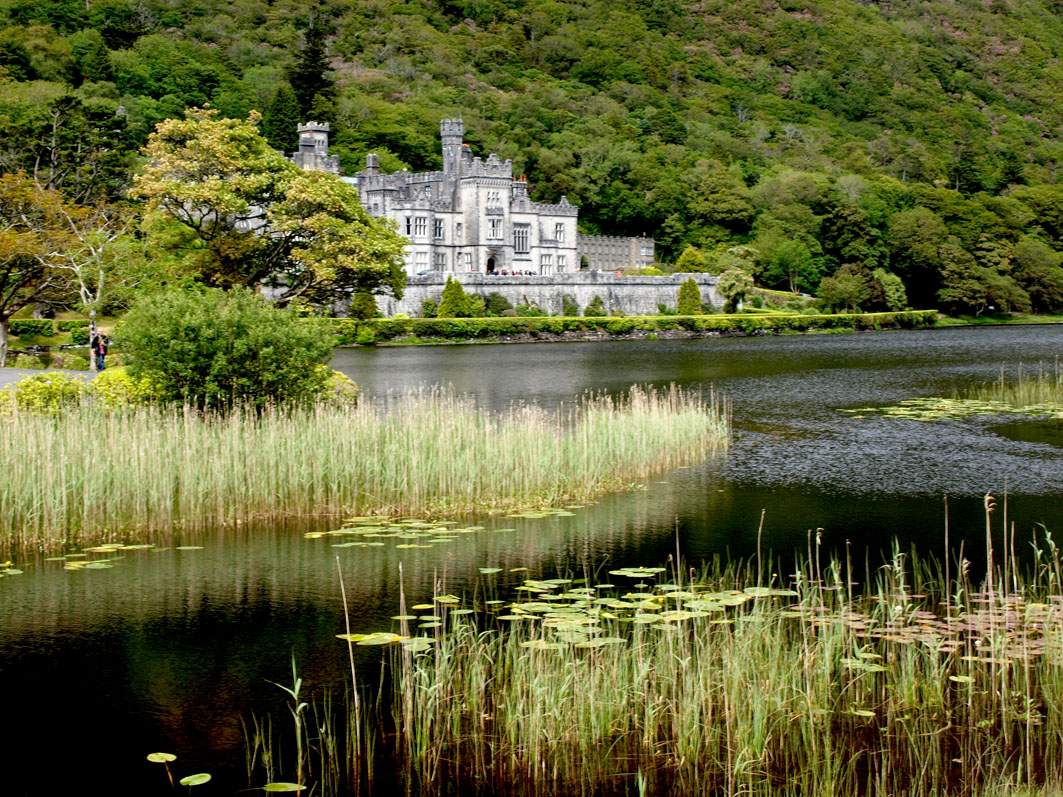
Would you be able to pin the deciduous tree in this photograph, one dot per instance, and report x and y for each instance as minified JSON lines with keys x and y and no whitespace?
{"x":240,"y":214}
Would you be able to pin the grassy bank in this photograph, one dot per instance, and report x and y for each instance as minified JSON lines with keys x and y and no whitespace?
{"x":382,"y":330}
{"x":917,"y":683}
{"x":89,"y":471}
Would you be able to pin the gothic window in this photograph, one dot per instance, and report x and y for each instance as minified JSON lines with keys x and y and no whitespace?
{"x":559,"y":232}
{"x":561,"y":262}
{"x":421,"y":259}
{"x":494,"y":199}
{"x":437,"y":228}
{"x":546,"y":263}
{"x":520,"y":238}
{"x":467,"y":258}
{"x":441,"y":261}
{"x":494,"y":229}
{"x":420,"y":225}
{"x":457,"y":232}
{"x":409,"y":227}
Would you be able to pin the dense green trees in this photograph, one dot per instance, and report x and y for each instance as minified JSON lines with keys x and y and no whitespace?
{"x":838,"y":135}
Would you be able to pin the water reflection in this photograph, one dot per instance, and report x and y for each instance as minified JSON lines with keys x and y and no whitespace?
{"x":171,"y":650}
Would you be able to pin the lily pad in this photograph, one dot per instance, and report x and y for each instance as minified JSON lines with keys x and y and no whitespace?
{"x":161,"y":758}
{"x":195,"y":780}
{"x":283,"y":787}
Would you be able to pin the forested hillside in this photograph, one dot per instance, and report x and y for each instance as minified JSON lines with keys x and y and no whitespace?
{"x":797,"y":140}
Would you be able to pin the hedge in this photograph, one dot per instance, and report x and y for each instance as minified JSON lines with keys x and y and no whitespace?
{"x":377,"y":330}
{"x":79,"y":337}
{"x":35,"y":327}
{"x":66,"y":326}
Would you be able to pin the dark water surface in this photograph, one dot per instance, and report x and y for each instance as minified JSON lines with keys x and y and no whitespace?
{"x":170,"y":650}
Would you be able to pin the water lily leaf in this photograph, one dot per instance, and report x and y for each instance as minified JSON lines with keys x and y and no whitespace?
{"x":380,"y":638}
{"x":195,"y":780}
{"x":542,"y":644}
{"x":351,"y":637}
{"x":283,"y":787}
{"x":489,"y":570}
{"x":420,"y":607}
{"x":961,"y":679}
{"x":417,"y":644}
{"x":861,"y":712}
{"x":191,"y":548}
{"x":161,"y":758}
{"x":11,"y":571}
{"x":447,"y":599}
{"x":404,"y":617}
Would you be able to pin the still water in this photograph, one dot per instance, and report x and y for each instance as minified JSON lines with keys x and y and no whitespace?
{"x":171,"y":650}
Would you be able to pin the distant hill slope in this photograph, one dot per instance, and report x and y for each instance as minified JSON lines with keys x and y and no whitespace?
{"x":708,"y":123}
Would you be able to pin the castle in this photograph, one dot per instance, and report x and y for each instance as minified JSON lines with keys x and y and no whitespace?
{"x":474,"y":216}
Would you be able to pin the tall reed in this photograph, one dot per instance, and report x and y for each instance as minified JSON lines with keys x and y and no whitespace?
{"x":1029,"y":389}
{"x":913,"y":686}
{"x":425,"y":451}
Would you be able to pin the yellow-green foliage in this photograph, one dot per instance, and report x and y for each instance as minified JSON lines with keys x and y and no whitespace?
{"x":340,"y":390}
{"x":49,"y":393}
{"x":116,"y":388}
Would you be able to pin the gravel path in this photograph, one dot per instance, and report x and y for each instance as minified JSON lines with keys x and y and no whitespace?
{"x":9,"y":375}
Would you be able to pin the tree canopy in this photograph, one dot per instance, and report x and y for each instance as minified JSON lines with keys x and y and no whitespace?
{"x":238,"y":214}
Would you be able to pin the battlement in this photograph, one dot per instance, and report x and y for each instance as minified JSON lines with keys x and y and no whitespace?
{"x":492,"y":167}
{"x":452,"y":127}
{"x":562,"y":208}
{"x":313,"y":127}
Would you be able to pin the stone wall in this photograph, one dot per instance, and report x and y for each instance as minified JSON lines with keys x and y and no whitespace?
{"x":632,"y":295}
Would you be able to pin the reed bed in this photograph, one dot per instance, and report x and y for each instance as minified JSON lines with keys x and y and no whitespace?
{"x":916,"y":684}
{"x":1042,"y":387}
{"x":90,"y":472}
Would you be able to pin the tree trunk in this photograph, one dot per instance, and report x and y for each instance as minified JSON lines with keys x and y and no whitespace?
{"x":3,"y":342}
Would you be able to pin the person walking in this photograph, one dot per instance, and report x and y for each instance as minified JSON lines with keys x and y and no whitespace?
{"x":99,"y":350}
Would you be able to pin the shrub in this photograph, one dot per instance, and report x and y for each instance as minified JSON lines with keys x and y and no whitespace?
{"x":455,"y":302}
{"x":28,"y":361}
{"x":365,"y":336}
{"x":475,"y":306}
{"x":497,"y":304}
{"x":79,"y":337}
{"x":429,"y":308}
{"x":116,"y":388}
{"x":67,"y":326}
{"x":595,"y":309}
{"x":69,"y":361}
{"x":49,"y":393}
{"x":569,"y":305}
{"x":340,"y":389}
{"x":530,"y":311}
{"x":756,"y":301}
{"x":32,"y":327}
{"x":364,"y":306}
{"x":689,"y":302}
{"x":214,"y":348}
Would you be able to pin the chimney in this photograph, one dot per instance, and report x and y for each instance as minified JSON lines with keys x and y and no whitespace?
{"x":372,"y":164}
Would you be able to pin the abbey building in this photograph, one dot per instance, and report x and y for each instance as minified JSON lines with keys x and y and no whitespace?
{"x":474,"y":216}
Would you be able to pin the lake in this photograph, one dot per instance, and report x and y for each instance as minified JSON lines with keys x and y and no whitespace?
{"x":172,"y":650}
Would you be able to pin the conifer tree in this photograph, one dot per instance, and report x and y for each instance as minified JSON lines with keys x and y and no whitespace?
{"x":281,"y":125}
{"x":364,"y":306}
{"x":689,"y":298}
{"x":454,"y":302}
{"x":310,"y":75}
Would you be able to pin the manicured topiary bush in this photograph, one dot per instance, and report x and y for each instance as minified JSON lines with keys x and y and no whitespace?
{"x":689,"y":301}
{"x":32,"y":327}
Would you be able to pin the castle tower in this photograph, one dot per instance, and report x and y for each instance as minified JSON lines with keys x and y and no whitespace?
{"x":451,"y":131}
{"x":313,"y":148}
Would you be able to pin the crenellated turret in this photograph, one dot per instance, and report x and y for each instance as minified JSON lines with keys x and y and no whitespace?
{"x":451,"y":131}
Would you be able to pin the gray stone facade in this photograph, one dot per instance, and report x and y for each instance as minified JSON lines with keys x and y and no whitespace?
{"x":631,"y":295}
{"x":610,"y":253}
{"x":471,"y":217}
